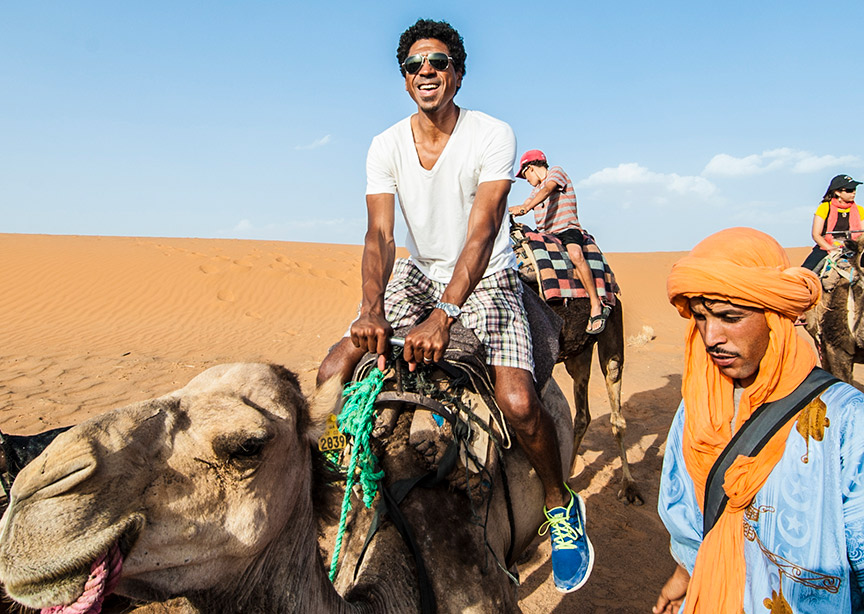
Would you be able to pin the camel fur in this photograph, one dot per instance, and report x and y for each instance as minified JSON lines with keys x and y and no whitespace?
{"x":576,"y":348}
{"x":213,"y":493}
{"x":836,"y":323}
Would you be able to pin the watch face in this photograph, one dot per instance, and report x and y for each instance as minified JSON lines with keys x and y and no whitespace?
{"x":450,"y":309}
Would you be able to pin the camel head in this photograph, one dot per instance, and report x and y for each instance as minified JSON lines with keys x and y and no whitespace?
{"x":855,"y":302}
{"x":194,"y":487}
{"x":857,"y":247}
{"x":844,"y":295}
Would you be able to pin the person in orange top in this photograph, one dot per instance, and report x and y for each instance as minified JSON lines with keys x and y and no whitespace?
{"x":836,"y":214}
{"x":791,"y":535}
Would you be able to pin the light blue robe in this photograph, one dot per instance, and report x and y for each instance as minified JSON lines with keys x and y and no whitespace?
{"x":805,"y":527}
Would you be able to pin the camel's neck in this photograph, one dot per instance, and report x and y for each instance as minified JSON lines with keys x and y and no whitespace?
{"x":302,"y":584}
{"x":289,"y":577}
{"x":855,"y":307}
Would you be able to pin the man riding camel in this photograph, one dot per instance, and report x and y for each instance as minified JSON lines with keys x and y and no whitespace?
{"x":553,"y":201}
{"x":452,"y":169}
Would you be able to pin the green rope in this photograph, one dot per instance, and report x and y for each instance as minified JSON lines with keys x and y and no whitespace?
{"x":845,"y":275}
{"x":356,"y":421}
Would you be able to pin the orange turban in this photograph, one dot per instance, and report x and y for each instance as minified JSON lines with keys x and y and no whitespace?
{"x":745,"y":267}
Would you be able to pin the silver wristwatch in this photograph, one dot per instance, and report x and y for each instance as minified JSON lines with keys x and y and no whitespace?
{"x":452,"y":311}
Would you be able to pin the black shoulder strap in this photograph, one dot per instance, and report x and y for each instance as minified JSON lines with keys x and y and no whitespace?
{"x":752,"y":437}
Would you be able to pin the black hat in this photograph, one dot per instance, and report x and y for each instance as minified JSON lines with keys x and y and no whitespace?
{"x":842,"y":181}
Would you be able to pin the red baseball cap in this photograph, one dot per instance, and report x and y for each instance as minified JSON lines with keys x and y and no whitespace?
{"x":532,"y":155}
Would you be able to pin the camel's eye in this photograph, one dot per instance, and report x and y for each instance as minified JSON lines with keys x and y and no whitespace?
{"x":242,"y":448}
{"x":249,"y":448}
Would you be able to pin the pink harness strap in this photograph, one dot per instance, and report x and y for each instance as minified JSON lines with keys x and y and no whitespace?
{"x":103,"y":578}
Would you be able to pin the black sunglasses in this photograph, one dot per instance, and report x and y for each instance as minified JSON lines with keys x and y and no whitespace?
{"x":437,"y":60}
{"x":852,"y":189}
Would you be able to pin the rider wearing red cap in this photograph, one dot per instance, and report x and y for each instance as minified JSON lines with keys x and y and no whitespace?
{"x":553,"y":201}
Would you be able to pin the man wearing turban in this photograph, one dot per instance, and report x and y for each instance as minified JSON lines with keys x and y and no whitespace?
{"x":791,"y":536}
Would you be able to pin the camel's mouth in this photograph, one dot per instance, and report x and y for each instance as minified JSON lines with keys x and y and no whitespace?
{"x":130,"y":535}
{"x":80,"y":587}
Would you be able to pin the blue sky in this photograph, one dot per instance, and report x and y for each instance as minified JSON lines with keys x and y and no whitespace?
{"x":252,"y":119}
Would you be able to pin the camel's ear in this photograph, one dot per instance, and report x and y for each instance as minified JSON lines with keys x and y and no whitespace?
{"x":323,"y":403}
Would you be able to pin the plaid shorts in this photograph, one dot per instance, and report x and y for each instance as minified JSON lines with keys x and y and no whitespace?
{"x":494,"y":311}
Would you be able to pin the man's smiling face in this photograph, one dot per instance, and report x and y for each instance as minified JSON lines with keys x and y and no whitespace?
{"x":735,"y":337}
{"x":432,"y":89}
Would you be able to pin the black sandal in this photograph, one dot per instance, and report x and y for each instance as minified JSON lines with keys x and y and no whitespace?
{"x":599,"y":318}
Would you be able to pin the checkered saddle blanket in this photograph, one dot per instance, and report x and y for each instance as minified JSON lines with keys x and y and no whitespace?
{"x":545,"y":258}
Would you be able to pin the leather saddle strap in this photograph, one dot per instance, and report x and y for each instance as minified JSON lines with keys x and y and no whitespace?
{"x":432,"y":405}
{"x":428,"y":603}
{"x":752,"y":437}
{"x":391,"y":497}
{"x":483,"y":387}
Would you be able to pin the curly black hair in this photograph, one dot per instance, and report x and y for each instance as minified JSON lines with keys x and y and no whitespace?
{"x":439,"y":30}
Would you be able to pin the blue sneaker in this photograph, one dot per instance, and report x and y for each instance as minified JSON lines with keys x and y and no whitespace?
{"x":572,"y":552}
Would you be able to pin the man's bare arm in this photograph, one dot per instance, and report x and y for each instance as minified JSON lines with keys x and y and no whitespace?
{"x":544,"y":192}
{"x":371,"y":330}
{"x":483,"y":226}
{"x":430,"y":339}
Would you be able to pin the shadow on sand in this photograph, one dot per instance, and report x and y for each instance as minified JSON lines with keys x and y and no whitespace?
{"x":630,"y":542}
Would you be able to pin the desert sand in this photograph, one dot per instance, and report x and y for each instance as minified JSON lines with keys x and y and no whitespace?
{"x":92,"y":323}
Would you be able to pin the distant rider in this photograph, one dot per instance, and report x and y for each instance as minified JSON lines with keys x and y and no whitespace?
{"x":553,"y":201}
{"x":837,"y":213}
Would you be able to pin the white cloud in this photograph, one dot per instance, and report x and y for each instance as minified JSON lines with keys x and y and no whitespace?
{"x":315,"y":144}
{"x":631,"y":174}
{"x":247,"y":228}
{"x":813,"y":164}
{"x":321,"y":230}
{"x":724,"y":165}
{"x":322,"y":223}
{"x":784,"y":158}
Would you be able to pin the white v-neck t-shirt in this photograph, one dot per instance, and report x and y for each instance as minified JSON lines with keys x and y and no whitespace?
{"x":436,"y":203}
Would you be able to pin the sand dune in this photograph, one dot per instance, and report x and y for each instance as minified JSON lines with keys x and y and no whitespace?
{"x":91,"y":323}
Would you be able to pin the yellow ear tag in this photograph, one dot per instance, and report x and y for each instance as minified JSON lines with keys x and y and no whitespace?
{"x":332,"y":439}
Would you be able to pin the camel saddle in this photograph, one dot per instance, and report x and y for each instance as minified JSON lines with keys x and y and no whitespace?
{"x":474,"y":437}
{"x":544,"y":263}
{"x":834,"y":268}
{"x":464,"y":366}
